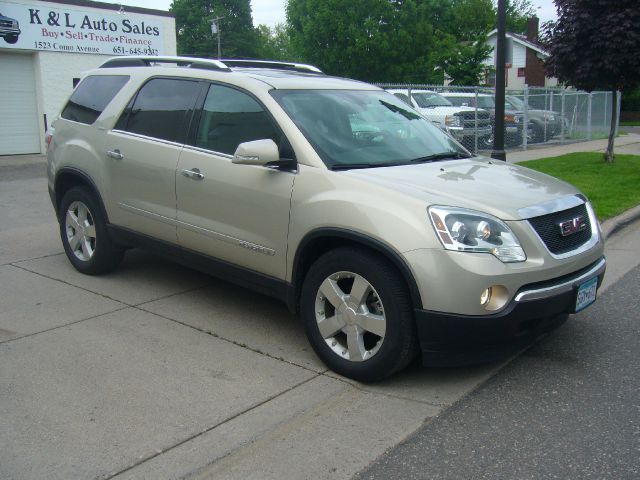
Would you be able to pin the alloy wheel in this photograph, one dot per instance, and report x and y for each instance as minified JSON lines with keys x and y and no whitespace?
{"x":350,"y":316}
{"x":81,"y":231}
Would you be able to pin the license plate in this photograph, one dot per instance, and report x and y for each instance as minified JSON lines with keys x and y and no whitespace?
{"x":586,"y":294}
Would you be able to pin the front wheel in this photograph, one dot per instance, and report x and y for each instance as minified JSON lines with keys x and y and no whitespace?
{"x":84,"y":234}
{"x":11,"y":39}
{"x":357,"y":314}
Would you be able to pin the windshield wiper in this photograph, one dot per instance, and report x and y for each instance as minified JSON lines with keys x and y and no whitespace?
{"x":349,"y":166}
{"x":452,"y":155}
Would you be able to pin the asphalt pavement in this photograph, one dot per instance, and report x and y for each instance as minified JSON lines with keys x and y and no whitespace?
{"x":567,"y":408}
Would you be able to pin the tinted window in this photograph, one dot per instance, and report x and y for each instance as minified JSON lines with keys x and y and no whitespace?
{"x":160,"y":109}
{"x":92,"y":96}
{"x":230,"y":118}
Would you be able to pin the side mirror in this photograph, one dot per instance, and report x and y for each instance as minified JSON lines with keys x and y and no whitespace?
{"x":257,"y":152}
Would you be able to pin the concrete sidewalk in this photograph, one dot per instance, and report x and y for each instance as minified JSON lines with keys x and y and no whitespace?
{"x":625,"y":144}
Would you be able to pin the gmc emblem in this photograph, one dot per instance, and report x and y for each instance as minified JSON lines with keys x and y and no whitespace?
{"x":573,"y":226}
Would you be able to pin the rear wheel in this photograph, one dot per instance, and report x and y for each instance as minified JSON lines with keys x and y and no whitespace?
{"x":357,"y":314}
{"x":11,"y":39}
{"x":84,"y":233}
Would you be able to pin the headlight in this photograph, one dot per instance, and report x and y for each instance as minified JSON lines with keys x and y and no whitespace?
{"x":549,"y":117}
{"x":15,"y":24}
{"x":464,"y":230}
{"x":452,"y":121}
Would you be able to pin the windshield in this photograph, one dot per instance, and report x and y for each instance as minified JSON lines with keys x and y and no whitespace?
{"x":361,"y":129}
{"x":515,"y":103}
{"x":430,"y":99}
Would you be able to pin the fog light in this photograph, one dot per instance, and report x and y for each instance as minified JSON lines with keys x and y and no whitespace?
{"x":485,"y":296}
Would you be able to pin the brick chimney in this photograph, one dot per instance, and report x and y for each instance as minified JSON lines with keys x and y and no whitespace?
{"x":533,"y":24}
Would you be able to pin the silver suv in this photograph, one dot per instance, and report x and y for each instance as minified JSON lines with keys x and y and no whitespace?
{"x":380,"y":230}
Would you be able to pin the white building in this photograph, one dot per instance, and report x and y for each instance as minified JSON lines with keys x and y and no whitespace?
{"x":525,"y":57}
{"x":56,"y":43}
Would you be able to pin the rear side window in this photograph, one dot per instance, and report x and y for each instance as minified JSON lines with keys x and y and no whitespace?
{"x":231,"y":117}
{"x":92,"y":96}
{"x":160,"y":108}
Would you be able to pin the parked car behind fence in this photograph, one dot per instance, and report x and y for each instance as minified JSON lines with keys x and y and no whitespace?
{"x":535,"y":115}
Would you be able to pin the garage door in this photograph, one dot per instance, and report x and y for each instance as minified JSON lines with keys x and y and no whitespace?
{"x":19,"y":128}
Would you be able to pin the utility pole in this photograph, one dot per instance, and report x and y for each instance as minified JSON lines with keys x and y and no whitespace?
{"x":498,"y":135}
{"x":215,"y":29}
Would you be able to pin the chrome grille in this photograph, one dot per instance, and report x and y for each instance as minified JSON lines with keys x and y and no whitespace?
{"x":548,"y":229}
{"x":469,"y":119}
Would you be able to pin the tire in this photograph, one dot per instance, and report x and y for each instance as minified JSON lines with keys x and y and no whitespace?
{"x":538,"y":134}
{"x":11,"y":39}
{"x":335,"y":323}
{"x":84,"y":235}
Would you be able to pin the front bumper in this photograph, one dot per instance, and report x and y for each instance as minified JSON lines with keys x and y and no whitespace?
{"x":459,"y":132}
{"x":450,"y":339}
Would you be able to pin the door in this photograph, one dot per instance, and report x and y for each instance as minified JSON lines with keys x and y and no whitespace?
{"x":142,"y":153}
{"x":19,"y":131}
{"x":236,"y":213}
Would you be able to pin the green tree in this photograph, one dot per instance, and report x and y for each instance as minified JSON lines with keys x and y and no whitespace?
{"x":274,"y":43}
{"x":372,"y":40}
{"x":465,"y":65}
{"x":594,"y":45}
{"x":193,"y":28}
{"x":517,"y":12}
{"x":464,"y":25}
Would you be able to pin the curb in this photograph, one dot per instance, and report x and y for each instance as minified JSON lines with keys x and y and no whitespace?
{"x":613,"y":225}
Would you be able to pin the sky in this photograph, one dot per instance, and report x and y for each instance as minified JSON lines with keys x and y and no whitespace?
{"x":271,"y":12}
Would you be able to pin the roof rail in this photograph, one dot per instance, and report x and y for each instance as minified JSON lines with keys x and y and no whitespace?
{"x":148,"y":61}
{"x":275,"y":64}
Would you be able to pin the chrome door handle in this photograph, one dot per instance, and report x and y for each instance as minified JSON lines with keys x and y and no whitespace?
{"x":194,"y":173}
{"x":115,"y":154}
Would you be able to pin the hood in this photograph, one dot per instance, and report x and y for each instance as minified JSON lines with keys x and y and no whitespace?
{"x":481,"y":184}
{"x":444,"y":110}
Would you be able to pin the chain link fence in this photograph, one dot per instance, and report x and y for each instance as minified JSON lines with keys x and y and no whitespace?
{"x":534,"y":117}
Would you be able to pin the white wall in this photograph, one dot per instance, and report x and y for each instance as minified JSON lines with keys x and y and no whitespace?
{"x":55,"y":71}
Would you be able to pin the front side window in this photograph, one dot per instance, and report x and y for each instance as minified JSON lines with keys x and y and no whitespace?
{"x":231,"y":117}
{"x":362,"y":129}
{"x":92,"y":96}
{"x":160,"y":109}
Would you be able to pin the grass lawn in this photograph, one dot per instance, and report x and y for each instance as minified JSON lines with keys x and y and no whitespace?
{"x":635,"y":123}
{"x":612,"y":188}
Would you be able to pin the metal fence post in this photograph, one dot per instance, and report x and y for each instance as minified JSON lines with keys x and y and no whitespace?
{"x":546,"y":97}
{"x":525,"y":118}
{"x":562,"y":132}
{"x":604,"y":116}
{"x":589,"y":104}
{"x":619,"y":101}
{"x":475,"y":111}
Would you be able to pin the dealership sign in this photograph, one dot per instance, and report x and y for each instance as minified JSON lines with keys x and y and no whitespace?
{"x":71,"y":30}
